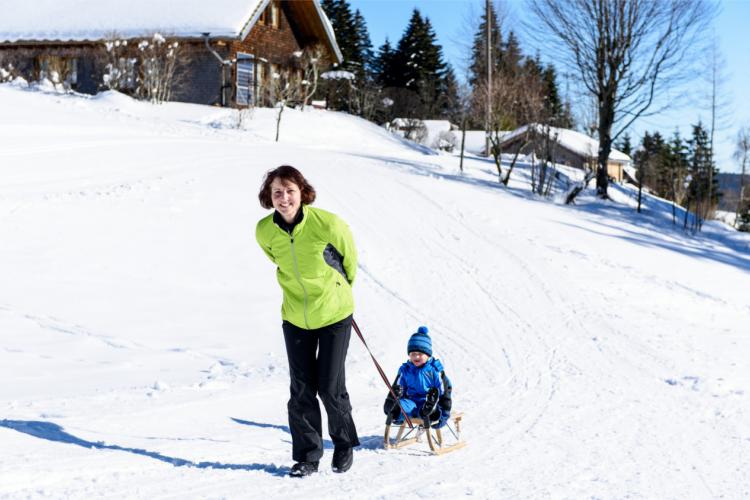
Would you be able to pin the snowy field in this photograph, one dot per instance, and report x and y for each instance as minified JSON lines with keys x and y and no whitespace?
{"x":596,"y":353}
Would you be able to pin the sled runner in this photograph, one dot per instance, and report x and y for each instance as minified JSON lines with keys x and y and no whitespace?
{"x":436,"y":439}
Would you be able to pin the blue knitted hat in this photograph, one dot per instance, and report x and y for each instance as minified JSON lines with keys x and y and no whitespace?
{"x":420,"y":341}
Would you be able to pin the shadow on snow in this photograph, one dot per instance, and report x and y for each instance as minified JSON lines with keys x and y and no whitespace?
{"x":55,"y":433}
{"x":366,"y":442}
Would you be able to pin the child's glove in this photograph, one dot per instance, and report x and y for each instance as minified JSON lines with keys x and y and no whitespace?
{"x":429,"y":404}
{"x":391,"y":406}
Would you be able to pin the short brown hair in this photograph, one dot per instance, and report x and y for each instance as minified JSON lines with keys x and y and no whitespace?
{"x":289,"y":174}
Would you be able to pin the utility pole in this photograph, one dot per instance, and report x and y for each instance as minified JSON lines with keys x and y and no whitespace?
{"x":488,"y":112}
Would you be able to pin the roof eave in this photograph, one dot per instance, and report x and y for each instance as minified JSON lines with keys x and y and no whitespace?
{"x":254,"y":16}
{"x":329,"y":32}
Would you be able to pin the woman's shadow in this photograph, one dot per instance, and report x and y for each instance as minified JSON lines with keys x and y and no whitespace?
{"x":54,"y":432}
{"x":366,"y":442}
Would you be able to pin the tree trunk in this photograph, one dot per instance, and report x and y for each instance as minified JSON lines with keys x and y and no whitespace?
{"x":463,"y":141}
{"x":278,"y":120}
{"x":606,"y":119}
{"x":512,"y":164}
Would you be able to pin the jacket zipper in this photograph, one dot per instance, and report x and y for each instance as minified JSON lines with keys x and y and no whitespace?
{"x":299,"y":279}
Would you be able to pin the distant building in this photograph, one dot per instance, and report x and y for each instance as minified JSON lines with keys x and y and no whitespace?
{"x":231,"y":47}
{"x":570,"y":148}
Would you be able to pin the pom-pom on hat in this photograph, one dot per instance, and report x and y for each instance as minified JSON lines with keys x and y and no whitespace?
{"x":420,"y":342}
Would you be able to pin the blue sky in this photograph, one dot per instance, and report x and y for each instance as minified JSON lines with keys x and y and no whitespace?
{"x":452,"y":20}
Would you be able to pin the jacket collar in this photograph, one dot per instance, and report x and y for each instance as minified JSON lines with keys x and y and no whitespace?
{"x":296,"y":225}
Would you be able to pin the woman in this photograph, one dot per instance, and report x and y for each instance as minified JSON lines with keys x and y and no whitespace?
{"x":315,"y":265}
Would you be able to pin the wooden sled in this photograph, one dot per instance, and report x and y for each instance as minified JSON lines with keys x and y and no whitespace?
{"x":435,"y":437}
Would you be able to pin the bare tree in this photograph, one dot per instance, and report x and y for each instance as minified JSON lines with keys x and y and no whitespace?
{"x":285,"y":87}
{"x":311,"y":61}
{"x":742,"y":155}
{"x":717,"y":101}
{"x":513,"y":100}
{"x":625,"y":53}
{"x":464,"y":105}
{"x":528,"y":107}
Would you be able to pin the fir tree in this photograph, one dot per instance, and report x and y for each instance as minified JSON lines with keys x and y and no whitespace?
{"x":700,"y":161}
{"x":625,"y":145}
{"x":450,"y":106}
{"x":354,"y":41}
{"x":558,"y":113}
{"x":343,"y":22}
{"x":364,"y":56}
{"x":511,"y":56}
{"x":383,"y":66}
{"x":418,"y":67}
{"x":677,"y":171}
{"x":419,"y":59}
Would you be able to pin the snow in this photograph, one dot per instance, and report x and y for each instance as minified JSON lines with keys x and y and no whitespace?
{"x":595,"y":352}
{"x":62,"y":19}
{"x":338,"y":75}
{"x":476,"y":140}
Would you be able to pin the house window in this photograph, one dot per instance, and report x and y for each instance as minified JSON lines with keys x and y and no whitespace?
{"x":262,"y":18}
{"x":245,"y":79}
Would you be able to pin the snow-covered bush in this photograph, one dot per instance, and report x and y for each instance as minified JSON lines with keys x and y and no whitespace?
{"x":414,"y":129}
{"x":6,"y":73}
{"x":144,"y":68}
{"x":445,"y":141}
{"x":157,"y":65}
{"x":8,"y":70}
{"x":119,"y":71}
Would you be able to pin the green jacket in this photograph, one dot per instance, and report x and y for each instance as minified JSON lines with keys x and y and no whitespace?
{"x":315,"y":267}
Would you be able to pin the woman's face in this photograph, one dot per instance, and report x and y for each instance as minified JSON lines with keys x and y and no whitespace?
{"x":286,"y":197}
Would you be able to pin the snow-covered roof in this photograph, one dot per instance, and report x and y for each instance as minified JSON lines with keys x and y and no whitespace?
{"x":574,"y":141}
{"x":90,"y":20}
{"x":476,"y":140}
{"x":82,"y":20}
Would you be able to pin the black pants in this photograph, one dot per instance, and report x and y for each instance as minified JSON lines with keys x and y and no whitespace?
{"x":316,"y":368}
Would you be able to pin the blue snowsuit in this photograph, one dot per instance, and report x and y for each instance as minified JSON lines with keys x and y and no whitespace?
{"x":416,"y":381}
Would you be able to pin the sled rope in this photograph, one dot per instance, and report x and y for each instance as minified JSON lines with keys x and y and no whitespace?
{"x":382,"y":374}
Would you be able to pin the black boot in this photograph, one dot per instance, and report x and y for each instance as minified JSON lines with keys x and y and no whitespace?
{"x":302,"y":469}
{"x":343,"y":457}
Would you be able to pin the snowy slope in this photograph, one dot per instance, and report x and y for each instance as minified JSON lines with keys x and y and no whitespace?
{"x":595,"y":353}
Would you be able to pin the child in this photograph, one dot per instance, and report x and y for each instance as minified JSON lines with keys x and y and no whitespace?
{"x":422,"y":388}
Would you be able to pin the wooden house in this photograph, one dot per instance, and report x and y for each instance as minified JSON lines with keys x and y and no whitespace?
{"x":568,"y":147}
{"x":229,"y":48}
